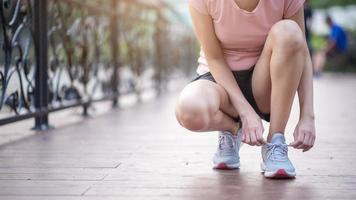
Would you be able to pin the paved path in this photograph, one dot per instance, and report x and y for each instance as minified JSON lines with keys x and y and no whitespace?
{"x":142,"y":153}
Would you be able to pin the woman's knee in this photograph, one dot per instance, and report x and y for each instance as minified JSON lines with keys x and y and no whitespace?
{"x":192,"y":115}
{"x":287,"y":34}
{"x":193,"y":110}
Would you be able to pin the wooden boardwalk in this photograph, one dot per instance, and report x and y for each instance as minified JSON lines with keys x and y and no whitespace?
{"x":141,"y":153}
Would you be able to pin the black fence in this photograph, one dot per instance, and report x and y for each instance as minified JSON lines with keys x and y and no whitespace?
{"x":58,"y":54}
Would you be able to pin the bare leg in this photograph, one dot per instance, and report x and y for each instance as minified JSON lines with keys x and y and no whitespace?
{"x":278,"y":72}
{"x":204,"y":106}
{"x":319,"y":61}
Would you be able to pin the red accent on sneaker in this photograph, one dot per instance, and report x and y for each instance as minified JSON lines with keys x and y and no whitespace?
{"x":222,"y":166}
{"x":282,"y":174}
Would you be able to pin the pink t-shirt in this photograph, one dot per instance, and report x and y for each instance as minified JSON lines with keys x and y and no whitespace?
{"x":242,"y":34}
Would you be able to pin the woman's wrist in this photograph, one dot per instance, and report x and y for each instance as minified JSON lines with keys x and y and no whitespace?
{"x":306,"y":112}
{"x":307,"y":116}
{"x":243,"y":108}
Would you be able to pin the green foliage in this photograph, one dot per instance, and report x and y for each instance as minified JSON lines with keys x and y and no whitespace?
{"x":318,"y":41}
{"x":328,"y":3}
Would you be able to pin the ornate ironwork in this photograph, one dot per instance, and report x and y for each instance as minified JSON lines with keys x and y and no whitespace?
{"x":17,"y":59}
{"x":79,"y":67}
{"x":88,"y":48}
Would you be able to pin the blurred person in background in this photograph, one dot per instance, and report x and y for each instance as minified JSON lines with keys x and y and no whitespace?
{"x":254,"y":58}
{"x":336,"y":47}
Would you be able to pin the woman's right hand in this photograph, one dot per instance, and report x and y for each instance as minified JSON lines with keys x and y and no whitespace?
{"x":252,"y":129}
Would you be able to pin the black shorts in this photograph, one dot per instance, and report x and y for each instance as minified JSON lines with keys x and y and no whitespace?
{"x":244,"y":80}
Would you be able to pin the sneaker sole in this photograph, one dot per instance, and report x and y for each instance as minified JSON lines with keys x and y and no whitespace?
{"x":277,"y":174}
{"x":224,"y":166}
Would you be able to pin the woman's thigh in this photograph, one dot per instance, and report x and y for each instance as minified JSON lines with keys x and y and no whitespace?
{"x":207,"y":94}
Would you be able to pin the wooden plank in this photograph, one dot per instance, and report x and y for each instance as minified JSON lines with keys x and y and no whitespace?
{"x":53,"y":176}
{"x":31,"y":187}
{"x":142,"y":153}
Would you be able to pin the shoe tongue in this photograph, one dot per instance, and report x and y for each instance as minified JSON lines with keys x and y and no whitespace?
{"x":228,"y":138}
{"x":278,"y":138}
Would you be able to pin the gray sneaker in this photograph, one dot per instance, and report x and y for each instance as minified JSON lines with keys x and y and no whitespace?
{"x":227,"y":153}
{"x":276,"y":163}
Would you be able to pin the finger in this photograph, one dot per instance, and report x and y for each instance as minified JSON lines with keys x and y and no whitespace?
{"x":247,"y":138}
{"x":243,"y":135}
{"x":301,"y":136}
{"x":310,"y":143}
{"x":295,"y":143}
{"x":305,"y":143}
{"x":257,"y":133}
{"x":262,"y":141}
{"x":313,"y":140}
{"x":299,"y":140}
{"x":253,"y":137}
{"x":259,"y":137}
{"x":302,"y":146}
{"x":295,"y":136}
{"x":307,"y":149}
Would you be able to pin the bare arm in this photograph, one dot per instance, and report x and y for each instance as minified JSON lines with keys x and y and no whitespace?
{"x":204,"y":30}
{"x":304,"y":134}
{"x":251,"y":122}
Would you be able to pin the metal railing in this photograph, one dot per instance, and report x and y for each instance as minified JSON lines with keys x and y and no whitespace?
{"x":57,"y":54}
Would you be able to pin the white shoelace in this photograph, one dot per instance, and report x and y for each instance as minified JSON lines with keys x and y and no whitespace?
{"x":226,"y":144}
{"x":277,"y":152}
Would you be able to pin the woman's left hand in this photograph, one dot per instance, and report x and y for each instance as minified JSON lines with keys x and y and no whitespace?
{"x":304,"y":134}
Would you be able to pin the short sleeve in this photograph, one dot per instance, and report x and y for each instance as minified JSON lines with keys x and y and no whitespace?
{"x":291,"y":7}
{"x":200,"y":5}
{"x":334,"y":34}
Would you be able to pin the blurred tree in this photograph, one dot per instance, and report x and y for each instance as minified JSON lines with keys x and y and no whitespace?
{"x":328,"y":3}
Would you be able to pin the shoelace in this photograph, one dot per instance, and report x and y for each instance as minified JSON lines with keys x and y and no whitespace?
{"x":277,"y":152}
{"x":223,"y":139}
